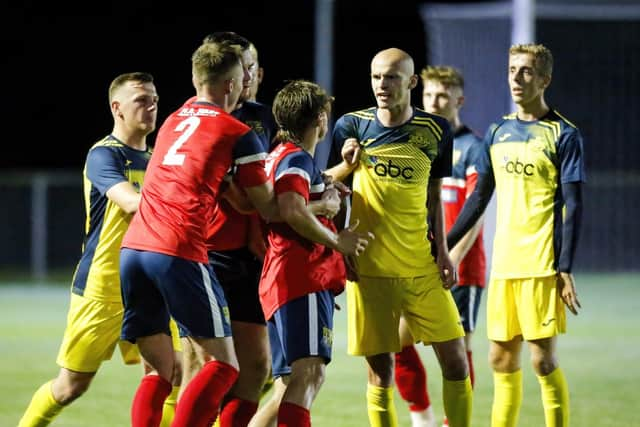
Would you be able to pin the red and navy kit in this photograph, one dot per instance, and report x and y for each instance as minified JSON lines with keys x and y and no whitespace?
{"x":467,"y":147}
{"x":195,"y":148}
{"x":228,"y":229}
{"x":295,"y":266}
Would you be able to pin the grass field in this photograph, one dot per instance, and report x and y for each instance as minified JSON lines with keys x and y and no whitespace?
{"x":600,"y":356}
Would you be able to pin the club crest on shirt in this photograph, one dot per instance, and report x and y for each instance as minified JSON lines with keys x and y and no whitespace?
{"x":327,"y":336}
{"x":257,"y":127}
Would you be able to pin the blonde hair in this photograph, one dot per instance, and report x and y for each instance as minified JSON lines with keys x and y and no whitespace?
{"x":542,"y":55}
{"x":446,"y":75}
{"x":213,"y":61}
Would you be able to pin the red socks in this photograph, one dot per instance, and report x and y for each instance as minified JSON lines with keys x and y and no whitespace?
{"x":237,"y":412}
{"x":411,"y":379}
{"x":199,"y":403}
{"x":146,"y":410}
{"x":292,"y":415}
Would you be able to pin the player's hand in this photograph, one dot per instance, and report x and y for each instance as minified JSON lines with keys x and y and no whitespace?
{"x":331,"y":201}
{"x":352,"y":243}
{"x":567,"y":290}
{"x":352,"y":271}
{"x":448,"y":272}
{"x":351,"y":151}
{"x":342,"y":188}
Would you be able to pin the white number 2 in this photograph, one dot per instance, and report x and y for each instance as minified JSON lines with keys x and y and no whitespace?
{"x":173,"y":158}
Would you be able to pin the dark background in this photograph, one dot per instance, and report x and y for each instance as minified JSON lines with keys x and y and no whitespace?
{"x":57,"y":66}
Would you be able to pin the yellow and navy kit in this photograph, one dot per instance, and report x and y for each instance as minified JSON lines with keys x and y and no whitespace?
{"x":108,"y":163}
{"x":530,"y":161}
{"x":390,"y":187}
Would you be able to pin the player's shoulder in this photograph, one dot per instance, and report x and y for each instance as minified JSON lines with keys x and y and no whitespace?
{"x":467,"y":135}
{"x":366,"y":114}
{"x":256,"y":106}
{"x":420,"y":116}
{"x":558,"y":122}
{"x":108,"y":141}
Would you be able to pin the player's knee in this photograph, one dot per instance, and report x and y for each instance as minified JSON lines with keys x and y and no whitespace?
{"x":69,"y":391}
{"x":543,"y":364}
{"x":455,"y":368}
{"x":502,"y":361}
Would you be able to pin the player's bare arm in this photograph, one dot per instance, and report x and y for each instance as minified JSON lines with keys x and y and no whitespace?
{"x":293,"y":210}
{"x":436,"y":213}
{"x":125,"y":196}
{"x":350,"y":158}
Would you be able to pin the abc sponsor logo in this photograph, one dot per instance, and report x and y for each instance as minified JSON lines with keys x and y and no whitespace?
{"x":516,"y":167}
{"x":389,"y":169}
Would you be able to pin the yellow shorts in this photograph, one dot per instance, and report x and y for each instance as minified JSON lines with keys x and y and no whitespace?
{"x":529,"y":307}
{"x":374,"y":306}
{"x":92,"y":332}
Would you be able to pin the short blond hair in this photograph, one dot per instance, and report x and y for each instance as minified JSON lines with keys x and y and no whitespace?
{"x":446,"y":75}
{"x":542,"y":55}
{"x":212,"y":62}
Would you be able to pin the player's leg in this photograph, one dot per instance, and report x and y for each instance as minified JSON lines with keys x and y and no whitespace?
{"x":92,"y":331}
{"x":252,"y":350}
{"x":504,"y":358}
{"x":411,"y":380}
{"x":267,"y":414}
{"x":543,"y":319}
{"x":374,"y":307}
{"x":468,"y":299}
{"x":433,"y":317}
{"x":146,"y":322}
{"x":197,"y":303}
{"x":239,"y":272}
{"x":304,"y":329}
{"x":505,"y":335}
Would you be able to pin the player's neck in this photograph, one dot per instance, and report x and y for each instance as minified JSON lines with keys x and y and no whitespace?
{"x":134,"y":140}
{"x":309,"y":141}
{"x":532,"y":111}
{"x":395,"y":116}
{"x":456,"y":124}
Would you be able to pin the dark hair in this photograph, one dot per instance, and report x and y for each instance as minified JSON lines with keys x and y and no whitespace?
{"x":227,"y":37}
{"x":297,"y":106}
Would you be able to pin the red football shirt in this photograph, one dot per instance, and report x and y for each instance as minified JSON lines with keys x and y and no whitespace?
{"x":295,"y":266}
{"x":195,"y":147}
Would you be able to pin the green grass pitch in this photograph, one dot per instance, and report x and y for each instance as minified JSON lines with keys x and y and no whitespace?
{"x":600,"y":355}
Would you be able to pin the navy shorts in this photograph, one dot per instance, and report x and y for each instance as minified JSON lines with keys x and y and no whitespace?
{"x":238,"y":271}
{"x":301,"y":328}
{"x":156,"y":286}
{"x":467,"y":298}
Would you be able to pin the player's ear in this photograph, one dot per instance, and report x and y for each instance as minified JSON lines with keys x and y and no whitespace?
{"x":413,"y":81}
{"x":115,"y":109}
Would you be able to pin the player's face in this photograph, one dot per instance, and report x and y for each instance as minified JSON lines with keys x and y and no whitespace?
{"x":391,"y":84}
{"x":527,"y":85}
{"x":239,"y":75}
{"x":137,"y":103}
{"x":440,"y":99}
{"x":251,"y":74}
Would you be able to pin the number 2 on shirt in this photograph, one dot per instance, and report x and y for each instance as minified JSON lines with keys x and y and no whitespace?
{"x":187,"y":127}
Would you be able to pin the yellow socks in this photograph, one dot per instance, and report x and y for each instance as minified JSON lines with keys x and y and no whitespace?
{"x":380,"y":407}
{"x":42,"y":409}
{"x":458,"y":401}
{"x":507,"y":398}
{"x":169,"y":407}
{"x":555,"y":399}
